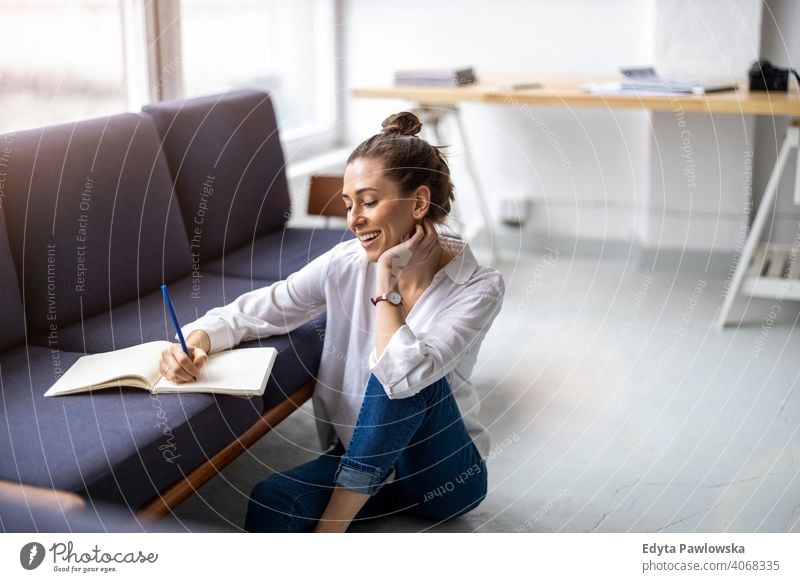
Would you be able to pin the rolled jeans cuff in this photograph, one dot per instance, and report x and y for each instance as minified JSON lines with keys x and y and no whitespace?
{"x":358,"y":477}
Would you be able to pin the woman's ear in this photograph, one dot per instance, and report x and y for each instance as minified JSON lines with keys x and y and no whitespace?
{"x":422,"y":203}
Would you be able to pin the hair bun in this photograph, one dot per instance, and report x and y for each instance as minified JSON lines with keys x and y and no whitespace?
{"x":403,"y":123}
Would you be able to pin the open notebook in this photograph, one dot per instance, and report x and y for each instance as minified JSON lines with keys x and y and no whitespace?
{"x":241,"y":372}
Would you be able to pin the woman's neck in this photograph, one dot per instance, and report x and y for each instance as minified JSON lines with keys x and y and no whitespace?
{"x":420,"y":277}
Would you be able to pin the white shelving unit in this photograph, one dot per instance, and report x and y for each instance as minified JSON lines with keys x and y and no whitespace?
{"x":768,"y":270}
{"x":774,"y":272}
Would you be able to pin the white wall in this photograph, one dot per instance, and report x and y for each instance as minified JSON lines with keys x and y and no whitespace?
{"x":697,"y":198}
{"x":780,"y":44}
{"x":591,"y":171}
{"x":569,"y":160}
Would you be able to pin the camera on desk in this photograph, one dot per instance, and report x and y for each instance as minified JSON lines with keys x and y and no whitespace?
{"x":766,"y":77}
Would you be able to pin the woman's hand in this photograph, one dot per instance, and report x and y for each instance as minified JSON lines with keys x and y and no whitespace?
{"x":413,"y":252}
{"x":177,"y":367}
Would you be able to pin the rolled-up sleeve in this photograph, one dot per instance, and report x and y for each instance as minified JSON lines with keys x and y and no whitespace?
{"x":412,"y":361}
{"x":275,"y":309}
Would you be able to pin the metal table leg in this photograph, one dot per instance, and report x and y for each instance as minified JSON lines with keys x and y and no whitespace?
{"x":432,"y":116}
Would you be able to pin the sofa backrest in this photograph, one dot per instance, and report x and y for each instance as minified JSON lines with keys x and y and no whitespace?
{"x":225,"y":156}
{"x":12,"y":329}
{"x":91,"y":217}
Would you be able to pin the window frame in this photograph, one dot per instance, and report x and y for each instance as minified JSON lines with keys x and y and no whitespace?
{"x":162,"y":24}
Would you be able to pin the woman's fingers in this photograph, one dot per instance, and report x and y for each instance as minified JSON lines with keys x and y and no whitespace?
{"x":199,"y":356}
{"x":166,"y":362}
{"x":180,"y":367}
{"x":411,"y":249}
{"x":419,"y":234}
{"x":431,"y":238}
{"x":189,"y":363}
{"x":177,"y":367}
{"x":176,"y":372}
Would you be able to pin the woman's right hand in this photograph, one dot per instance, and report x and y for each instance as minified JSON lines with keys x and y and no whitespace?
{"x":177,"y":367}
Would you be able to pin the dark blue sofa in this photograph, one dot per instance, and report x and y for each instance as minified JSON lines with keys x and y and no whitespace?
{"x":95,"y":216}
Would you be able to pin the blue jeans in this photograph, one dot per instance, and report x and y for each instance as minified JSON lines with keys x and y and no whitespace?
{"x":438,"y":472}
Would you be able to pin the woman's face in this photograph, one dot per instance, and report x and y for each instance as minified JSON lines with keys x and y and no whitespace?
{"x":378,"y":215}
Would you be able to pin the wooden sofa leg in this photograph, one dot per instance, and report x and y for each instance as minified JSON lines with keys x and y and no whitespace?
{"x":180,"y":491}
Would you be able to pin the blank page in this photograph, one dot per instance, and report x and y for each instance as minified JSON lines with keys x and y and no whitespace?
{"x":96,"y":369}
{"x":242,"y":372}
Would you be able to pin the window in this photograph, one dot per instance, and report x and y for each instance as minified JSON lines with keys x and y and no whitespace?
{"x":285,"y":48}
{"x":61,"y":61}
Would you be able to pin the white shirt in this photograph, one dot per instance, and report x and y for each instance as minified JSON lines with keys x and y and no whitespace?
{"x":441,"y":336}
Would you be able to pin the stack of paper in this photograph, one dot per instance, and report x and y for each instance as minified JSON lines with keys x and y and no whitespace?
{"x":646,"y":81}
{"x":438,"y":77}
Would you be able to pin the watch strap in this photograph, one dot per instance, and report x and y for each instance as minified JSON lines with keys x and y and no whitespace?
{"x":385,"y":297}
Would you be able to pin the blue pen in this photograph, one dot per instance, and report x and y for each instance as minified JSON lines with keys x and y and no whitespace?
{"x":174,"y":318}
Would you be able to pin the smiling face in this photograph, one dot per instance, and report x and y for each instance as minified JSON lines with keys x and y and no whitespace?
{"x":377,"y":213}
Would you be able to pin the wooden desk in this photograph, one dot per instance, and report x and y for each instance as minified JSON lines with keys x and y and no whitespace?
{"x":566,"y":92}
{"x":762,"y":271}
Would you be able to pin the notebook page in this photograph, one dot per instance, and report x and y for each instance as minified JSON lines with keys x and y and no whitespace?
{"x":240,"y":372}
{"x":95,"y":369}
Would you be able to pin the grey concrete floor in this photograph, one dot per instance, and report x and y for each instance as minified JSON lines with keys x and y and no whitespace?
{"x":614,"y":406}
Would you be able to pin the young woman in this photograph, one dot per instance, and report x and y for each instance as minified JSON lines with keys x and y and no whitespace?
{"x":407,"y":310}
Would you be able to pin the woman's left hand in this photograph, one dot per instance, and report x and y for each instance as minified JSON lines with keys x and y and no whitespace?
{"x":416,"y":251}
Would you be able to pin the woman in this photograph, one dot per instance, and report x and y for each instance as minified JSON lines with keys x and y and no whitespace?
{"x":407,"y":310}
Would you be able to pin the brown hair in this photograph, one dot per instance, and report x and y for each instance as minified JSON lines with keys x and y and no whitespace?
{"x":409,"y":161}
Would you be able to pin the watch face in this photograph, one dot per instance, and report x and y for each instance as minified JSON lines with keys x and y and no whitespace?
{"x":394,"y":298}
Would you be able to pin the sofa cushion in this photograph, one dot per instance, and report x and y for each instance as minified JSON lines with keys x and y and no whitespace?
{"x":277,"y":255}
{"x":91,"y":217}
{"x":119,"y":445}
{"x":12,"y":330}
{"x":146,"y":319}
{"x":20,"y":516}
{"x":297,"y":363}
{"x":225,"y":156}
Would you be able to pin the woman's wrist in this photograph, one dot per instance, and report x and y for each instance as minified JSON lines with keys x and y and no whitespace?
{"x":384,"y":281}
{"x":200,"y":339}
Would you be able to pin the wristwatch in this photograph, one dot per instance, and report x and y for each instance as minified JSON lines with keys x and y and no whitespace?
{"x":392,"y":297}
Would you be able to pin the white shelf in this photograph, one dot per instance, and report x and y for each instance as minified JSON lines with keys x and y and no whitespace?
{"x":773,"y":273}
{"x":771,"y":287}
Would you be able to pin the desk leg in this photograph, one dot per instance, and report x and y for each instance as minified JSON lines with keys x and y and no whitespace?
{"x":789,"y":143}
{"x":431,"y":116}
{"x":480,"y":193}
